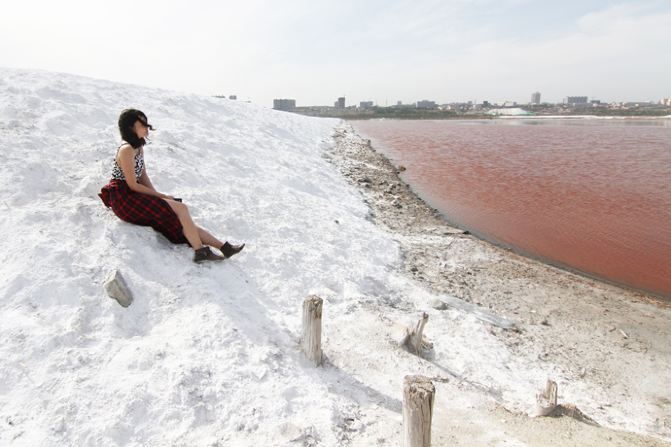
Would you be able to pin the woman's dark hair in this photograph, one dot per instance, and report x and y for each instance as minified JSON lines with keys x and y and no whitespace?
{"x":127,"y":120}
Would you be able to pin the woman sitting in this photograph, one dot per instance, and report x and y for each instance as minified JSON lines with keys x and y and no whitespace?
{"x":134,"y":199}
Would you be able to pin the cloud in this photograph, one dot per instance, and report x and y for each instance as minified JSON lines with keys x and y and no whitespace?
{"x":616,"y":53}
{"x":440,"y":51}
{"x":375,"y":50}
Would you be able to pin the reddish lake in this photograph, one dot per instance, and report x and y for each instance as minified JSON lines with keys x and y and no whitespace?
{"x":591,"y":194}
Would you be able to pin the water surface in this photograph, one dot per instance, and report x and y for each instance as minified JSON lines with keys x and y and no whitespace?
{"x":590,"y":194}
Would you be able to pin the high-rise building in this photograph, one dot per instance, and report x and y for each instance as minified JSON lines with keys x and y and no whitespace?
{"x":536,"y":98}
{"x":340,"y":103}
{"x":288,"y":105}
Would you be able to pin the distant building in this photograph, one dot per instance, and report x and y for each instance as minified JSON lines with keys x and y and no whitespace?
{"x":366,"y":104}
{"x":233,"y":97}
{"x":536,"y":98}
{"x":288,"y":105}
{"x":575,"y":100}
{"x":340,"y":103}
{"x":665,"y":102}
{"x":426,"y":104}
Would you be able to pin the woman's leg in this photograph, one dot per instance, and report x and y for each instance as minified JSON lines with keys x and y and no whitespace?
{"x":227,"y":249}
{"x":208,"y":239}
{"x":189,"y":228}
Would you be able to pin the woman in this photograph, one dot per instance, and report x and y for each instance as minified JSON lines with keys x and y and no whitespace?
{"x":134,"y":199}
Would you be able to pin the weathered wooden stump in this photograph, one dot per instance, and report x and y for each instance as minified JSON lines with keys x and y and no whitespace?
{"x":414,"y":340}
{"x":546,"y":401}
{"x":418,"y":397}
{"x":312,"y":329}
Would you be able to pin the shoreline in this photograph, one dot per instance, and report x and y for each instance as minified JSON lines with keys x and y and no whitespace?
{"x":485,"y":117}
{"x":429,"y":115}
{"x":600,"y":337}
{"x":655,"y":297}
{"x":651,"y":296}
{"x":512,"y":118}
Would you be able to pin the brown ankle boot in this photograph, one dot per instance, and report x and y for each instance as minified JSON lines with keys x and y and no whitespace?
{"x":205,"y":254}
{"x":229,"y":250}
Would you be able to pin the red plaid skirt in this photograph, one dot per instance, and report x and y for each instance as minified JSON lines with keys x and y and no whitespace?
{"x":142,"y":209}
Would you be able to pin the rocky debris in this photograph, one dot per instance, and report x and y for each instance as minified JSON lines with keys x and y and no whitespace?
{"x":384,"y":192}
{"x":116,"y":288}
{"x":365,"y":182}
{"x":438,"y":304}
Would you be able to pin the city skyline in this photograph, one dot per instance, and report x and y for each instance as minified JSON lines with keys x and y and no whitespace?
{"x":445,"y":51}
{"x":342,"y":102}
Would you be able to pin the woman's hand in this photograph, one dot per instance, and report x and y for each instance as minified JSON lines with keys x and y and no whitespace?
{"x":176,"y":199}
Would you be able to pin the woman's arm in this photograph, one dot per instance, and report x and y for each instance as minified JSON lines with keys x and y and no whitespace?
{"x":144,"y":179}
{"x":126,"y":161}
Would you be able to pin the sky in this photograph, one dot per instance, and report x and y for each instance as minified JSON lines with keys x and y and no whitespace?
{"x":314,"y":51}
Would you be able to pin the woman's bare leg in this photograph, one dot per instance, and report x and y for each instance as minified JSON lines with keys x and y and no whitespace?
{"x":208,"y":239}
{"x":188,"y":227}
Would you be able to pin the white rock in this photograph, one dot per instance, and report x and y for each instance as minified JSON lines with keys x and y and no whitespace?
{"x":116,"y":288}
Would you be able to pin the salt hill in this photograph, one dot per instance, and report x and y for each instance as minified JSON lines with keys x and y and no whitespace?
{"x":208,"y":354}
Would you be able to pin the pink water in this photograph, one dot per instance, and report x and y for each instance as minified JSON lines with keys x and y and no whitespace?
{"x":593,"y":195}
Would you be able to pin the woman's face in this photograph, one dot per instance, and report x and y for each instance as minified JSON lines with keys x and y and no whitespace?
{"x":140,"y":129}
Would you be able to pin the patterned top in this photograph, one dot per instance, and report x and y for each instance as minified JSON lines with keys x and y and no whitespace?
{"x":117,"y":173}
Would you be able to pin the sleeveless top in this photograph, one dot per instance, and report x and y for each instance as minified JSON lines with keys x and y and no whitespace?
{"x":117,"y":173}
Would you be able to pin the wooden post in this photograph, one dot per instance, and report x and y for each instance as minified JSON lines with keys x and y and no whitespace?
{"x":415,"y":336}
{"x":546,"y":401}
{"x":418,"y":396}
{"x":311,"y":341}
